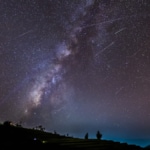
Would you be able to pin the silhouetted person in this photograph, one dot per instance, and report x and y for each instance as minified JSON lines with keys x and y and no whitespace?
{"x":55,"y":132}
{"x":98,"y":135}
{"x":86,"y":136}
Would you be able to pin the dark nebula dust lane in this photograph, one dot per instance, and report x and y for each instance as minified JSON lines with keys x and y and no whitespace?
{"x":77,"y":66}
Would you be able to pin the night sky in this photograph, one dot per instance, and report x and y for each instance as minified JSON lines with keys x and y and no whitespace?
{"x":77,"y":66}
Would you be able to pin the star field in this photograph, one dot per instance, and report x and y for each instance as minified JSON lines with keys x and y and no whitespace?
{"x":77,"y":66}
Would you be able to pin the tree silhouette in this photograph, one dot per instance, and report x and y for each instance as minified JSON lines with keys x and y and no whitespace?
{"x":40,"y":127}
{"x":7,"y":123}
{"x":19,"y":125}
{"x":98,"y":135}
{"x":86,"y":136}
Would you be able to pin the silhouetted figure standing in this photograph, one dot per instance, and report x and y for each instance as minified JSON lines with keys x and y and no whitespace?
{"x":98,"y":135}
{"x":86,"y":136}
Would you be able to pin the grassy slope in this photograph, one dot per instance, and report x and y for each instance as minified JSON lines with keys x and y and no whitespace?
{"x":14,"y":136}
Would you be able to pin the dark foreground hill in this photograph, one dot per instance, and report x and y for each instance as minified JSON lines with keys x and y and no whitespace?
{"x":20,"y":138}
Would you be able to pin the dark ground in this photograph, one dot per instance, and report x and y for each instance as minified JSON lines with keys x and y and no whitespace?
{"x":21,"y":138}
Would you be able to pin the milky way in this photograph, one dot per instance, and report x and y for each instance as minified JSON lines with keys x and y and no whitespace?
{"x":77,"y":66}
